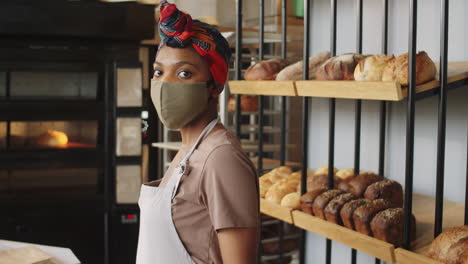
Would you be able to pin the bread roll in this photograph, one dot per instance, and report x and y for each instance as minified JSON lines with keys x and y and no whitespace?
{"x":307,"y":200}
{"x":348,"y":209}
{"x":292,"y":201}
{"x":322,"y":201}
{"x":359,"y":184}
{"x":295,"y":71}
{"x":397,"y":69}
{"x":323,"y":170}
{"x":441,"y":246}
{"x":275,"y":195}
{"x":264,"y":185}
{"x":363,"y":215}
{"x":371,"y":68}
{"x":387,"y":190}
{"x":339,"y":67}
{"x":344,"y":174}
{"x":283,"y":171}
{"x":344,"y":184}
{"x":248,"y":103}
{"x":52,"y":139}
{"x":387,"y":225}
{"x":333,"y":208}
{"x":265,"y":70}
{"x":320,"y":181}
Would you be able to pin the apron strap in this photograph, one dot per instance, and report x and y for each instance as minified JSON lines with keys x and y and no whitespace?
{"x":183,"y":166}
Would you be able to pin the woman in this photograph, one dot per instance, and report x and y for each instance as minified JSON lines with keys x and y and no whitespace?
{"x":205,"y":209}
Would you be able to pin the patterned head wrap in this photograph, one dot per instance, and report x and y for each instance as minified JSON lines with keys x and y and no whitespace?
{"x":178,"y":30}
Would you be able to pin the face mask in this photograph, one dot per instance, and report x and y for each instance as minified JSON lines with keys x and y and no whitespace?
{"x":178,"y":103}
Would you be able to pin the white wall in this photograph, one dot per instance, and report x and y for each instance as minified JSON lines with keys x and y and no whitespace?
{"x":426,"y":110}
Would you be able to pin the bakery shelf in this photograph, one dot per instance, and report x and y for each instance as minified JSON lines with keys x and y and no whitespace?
{"x":286,"y":88}
{"x":276,"y":211}
{"x":269,"y":164}
{"x":175,"y":146}
{"x":372,"y":246}
{"x":424,"y":211}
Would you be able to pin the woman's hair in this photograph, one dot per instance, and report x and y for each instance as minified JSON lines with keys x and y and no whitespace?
{"x":178,"y":30}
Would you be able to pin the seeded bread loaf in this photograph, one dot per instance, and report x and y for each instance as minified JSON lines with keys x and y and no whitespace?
{"x":363,"y":215}
{"x":387,"y":190}
{"x":447,"y":247}
{"x":307,"y":200}
{"x":387,"y":225}
{"x":348,"y":209}
{"x":322,"y":201}
{"x":333,"y":208}
{"x":359,"y":184}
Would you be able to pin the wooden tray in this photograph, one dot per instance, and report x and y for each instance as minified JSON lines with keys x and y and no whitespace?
{"x":372,"y":246}
{"x":285,"y":88}
{"x":407,"y":257}
{"x":276,"y":211}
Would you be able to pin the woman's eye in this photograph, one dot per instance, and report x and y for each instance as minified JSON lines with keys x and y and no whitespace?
{"x":184,"y":74}
{"x":158,"y":73}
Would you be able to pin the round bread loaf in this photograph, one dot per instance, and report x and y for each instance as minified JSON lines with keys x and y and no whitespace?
{"x":322,"y":201}
{"x":359,"y":184}
{"x":441,"y":246}
{"x":387,"y":190}
{"x":363,"y":215}
{"x":339,"y":67}
{"x":265,"y":70}
{"x":333,"y":208}
{"x":307,"y":200}
{"x":397,"y":69}
{"x":323,"y":170}
{"x":291,"y":200}
{"x":458,"y":252}
{"x":371,"y":68}
{"x":348,"y":209}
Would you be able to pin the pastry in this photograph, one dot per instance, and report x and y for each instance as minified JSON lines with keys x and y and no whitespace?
{"x":387,"y":225}
{"x":387,"y":190}
{"x":323,"y":170}
{"x":339,"y":67}
{"x":265,"y":70}
{"x":348,"y":209}
{"x":397,"y":69}
{"x":371,"y":68}
{"x":344,"y":174}
{"x":359,"y":184}
{"x":363,"y":215}
{"x":283,"y":171}
{"x":292,"y":201}
{"x":333,"y":208}
{"x":248,"y":103}
{"x":446,"y":243}
{"x":308,"y":199}
{"x":295,"y":71}
{"x":322,"y":201}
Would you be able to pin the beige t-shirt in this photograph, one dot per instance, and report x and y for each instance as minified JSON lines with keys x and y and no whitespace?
{"x":220,"y":191}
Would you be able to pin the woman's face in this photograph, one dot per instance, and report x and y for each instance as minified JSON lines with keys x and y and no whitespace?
{"x":180,"y":65}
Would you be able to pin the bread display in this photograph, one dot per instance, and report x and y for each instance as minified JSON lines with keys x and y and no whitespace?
{"x":307,"y":200}
{"x":359,"y":184}
{"x":323,"y":170}
{"x":339,"y":67}
{"x":265,"y":70}
{"x":322,"y":201}
{"x":371,"y":68}
{"x":248,"y":103}
{"x":333,"y":208}
{"x":292,"y":201}
{"x":397,"y":69}
{"x":387,"y":225}
{"x":344,"y":174}
{"x":348,"y":209}
{"x":295,"y":71}
{"x":387,"y":190}
{"x":451,"y":246}
{"x":264,"y":185}
{"x":281,"y":184}
{"x":364,"y":214}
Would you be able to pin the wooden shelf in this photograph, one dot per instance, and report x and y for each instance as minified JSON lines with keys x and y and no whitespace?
{"x":356,"y":240}
{"x":367,"y":90}
{"x":276,"y":211}
{"x":424,"y":211}
{"x":175,"y":146}
{"x":285,"y":88}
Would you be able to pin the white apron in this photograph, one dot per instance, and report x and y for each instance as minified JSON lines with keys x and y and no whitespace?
{"x":158,"y":241}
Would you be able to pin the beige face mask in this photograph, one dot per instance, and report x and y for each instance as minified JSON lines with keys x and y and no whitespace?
{"x":178,"y":103}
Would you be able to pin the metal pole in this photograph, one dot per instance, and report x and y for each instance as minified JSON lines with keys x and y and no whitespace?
{"x":410,"y":125}
{"x":284,"y":52}
{"x":261,"y":99}
{"x":439,"y":210}
{"x":238,"y":64}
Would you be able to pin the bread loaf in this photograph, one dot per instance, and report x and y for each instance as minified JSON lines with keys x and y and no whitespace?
{"x":344,"y":184}
{"x":333,"y":208}
{"x":446,"y":247}
{"x":363,"y":215}
{"x":248,"y":103}
{"x":339,"y":67}
{"x":359,"y":184}
{"x":320,"y":181}
{"x":307,"y":200}
{"x":265,"y":70}
{"x":387,"y":225}
{"x":292,"y":201}
{"x":397,"y":69}
{"x":348,"y":209}
{"x":322,"y":201}
{"x":295,"y":71}
{"x":387,"y":190}
{"x":371,"y":68}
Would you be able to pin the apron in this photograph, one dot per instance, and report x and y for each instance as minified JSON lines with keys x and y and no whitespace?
{"x":158,"y":241}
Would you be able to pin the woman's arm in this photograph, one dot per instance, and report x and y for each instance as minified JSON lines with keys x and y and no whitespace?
{"x":238,"y":245}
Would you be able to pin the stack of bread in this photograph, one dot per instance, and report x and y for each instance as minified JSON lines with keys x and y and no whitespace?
{"x":367,"y":203}
{"x":451,"y":246}
{"x":277,"y":185}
